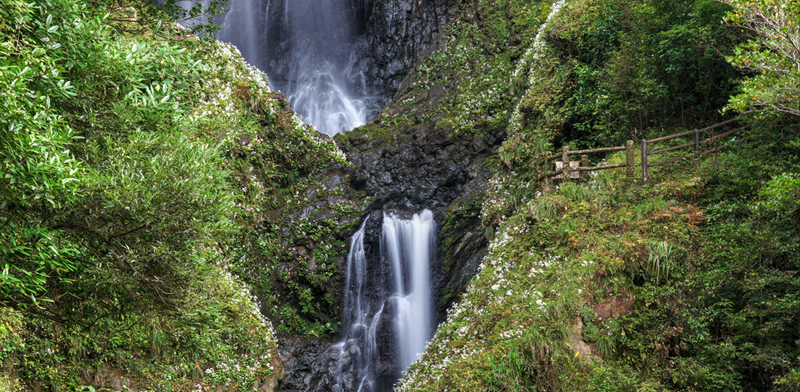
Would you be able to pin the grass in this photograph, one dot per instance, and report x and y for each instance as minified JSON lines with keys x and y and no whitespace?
{"x":552,"y":259}
{"x":710,"y":269}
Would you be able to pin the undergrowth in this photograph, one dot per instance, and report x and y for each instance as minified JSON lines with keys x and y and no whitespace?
{"x":143,"y":170}
{"x":687,"y":282}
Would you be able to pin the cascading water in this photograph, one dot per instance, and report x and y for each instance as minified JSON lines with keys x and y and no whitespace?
{"x":238,"y":25}
{"x":408,"y":245}
{"x":306,"y":48}
{"x":358,"y":348}
{"x":316,"y":38}
{"x":405,"y":306}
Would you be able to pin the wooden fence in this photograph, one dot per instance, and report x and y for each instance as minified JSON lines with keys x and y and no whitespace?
{"x":695,"y":145}
{"x":572,"y":169}
{"x":567,"y":169}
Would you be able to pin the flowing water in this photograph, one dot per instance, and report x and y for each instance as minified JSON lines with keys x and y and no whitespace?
{"x":317,"y":36}
{"x":305,"y":47}
{"x":358,"y":348}
{"x":240,"y":26}
{"x":407,"y":246}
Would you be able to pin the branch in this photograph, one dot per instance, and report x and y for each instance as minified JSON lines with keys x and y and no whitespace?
{"x":127,"y":232}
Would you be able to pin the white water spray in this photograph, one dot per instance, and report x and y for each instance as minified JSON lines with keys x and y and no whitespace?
{"x":371,"y":287}
{"x":358,"y":346}
{"x":315,"y":80}
{"x":313,"y":39}
{"x":239,"y":27}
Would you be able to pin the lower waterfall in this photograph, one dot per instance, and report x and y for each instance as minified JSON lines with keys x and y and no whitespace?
{"x":406,"y":247}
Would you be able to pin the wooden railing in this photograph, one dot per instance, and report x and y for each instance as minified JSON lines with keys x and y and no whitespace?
{"x":694,"y":144}
{"x":566,"y":169}
{"x":573,"y":169}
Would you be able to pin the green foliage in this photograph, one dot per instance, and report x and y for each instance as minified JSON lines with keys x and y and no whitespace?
{"x":116,"y":205}
{"x":129,"y":179}
{"x":462,"y":88}
{"x":772,"y":54}
{"x":38,"y":173}
{"x":622,"y":70}
{"x":199,"y":17}
{"x":553,"y":255}
{"x":708,"y":258}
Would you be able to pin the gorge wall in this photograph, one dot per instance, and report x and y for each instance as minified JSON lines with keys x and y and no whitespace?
{"x":338,"y":62}
{"x":407,"y":165}
{"x":434,"y":145}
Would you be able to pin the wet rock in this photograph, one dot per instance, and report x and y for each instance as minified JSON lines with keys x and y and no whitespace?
{"x":397,"y":34}
{"x":301,"y":362}
{"x":404,"y":167}
{"x":422,"y":168}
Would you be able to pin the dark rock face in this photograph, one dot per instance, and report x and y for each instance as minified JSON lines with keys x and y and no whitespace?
{"x":404,"y":165}
{"x":463,"y":243}
{"x":302,"y":361}
{"x":444,"y":174}
{"x":424,"y":168}
{"x":397,"y":33}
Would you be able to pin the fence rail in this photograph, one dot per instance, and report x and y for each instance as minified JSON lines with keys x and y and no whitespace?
{"x":696,"y":153}
{"x":566,"y":169}
{"x":578,"y":169}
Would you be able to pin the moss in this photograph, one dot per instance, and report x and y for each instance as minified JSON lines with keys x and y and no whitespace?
{"x":462,"y":87}
{"x":460,"y":216}
{"x":216,"y":334}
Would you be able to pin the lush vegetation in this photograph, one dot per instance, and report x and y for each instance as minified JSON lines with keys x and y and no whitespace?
{"x":140,"y":169}
{"x":688,"y":283}
{"x":685,"y":283}
{"x":624,"y":70}
{"x":157,"y":200}
{"x":462,"y":87}
{"x":772,"y":53}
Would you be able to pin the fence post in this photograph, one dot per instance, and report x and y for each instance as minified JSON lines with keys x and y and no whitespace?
{"x":644,"y":160}
{"x":548,"y":181}
{"x":540,"y":171}
{"x":696,"y":144}
{"x":545,"y":170}
{"x":584,"y":163}
{"x":629,"y":159}
{"x":565,"y":162}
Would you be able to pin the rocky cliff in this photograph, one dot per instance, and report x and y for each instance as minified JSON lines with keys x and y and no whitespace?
{"x":414,"y":156}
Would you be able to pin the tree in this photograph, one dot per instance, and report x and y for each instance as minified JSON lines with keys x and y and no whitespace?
{"x":772,"y":54}
{"x":102,"y":179}
{"x":38,"y":173}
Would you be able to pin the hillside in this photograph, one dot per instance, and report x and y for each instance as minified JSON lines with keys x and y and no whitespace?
{"x":139,"y":165}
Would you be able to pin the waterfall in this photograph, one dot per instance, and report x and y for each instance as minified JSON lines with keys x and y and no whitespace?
{"x":404,"y":288}
{"x":306,"y":48}
{"x":239,"y":26}
{"x":358,"y":347}
{"x":408,"y":245}
{"x":318,"y":36}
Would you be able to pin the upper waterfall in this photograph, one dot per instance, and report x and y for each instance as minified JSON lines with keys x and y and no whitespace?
{"x":306,"y":47}
{"x":339,"y":62}
{"x":317,"y":41}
